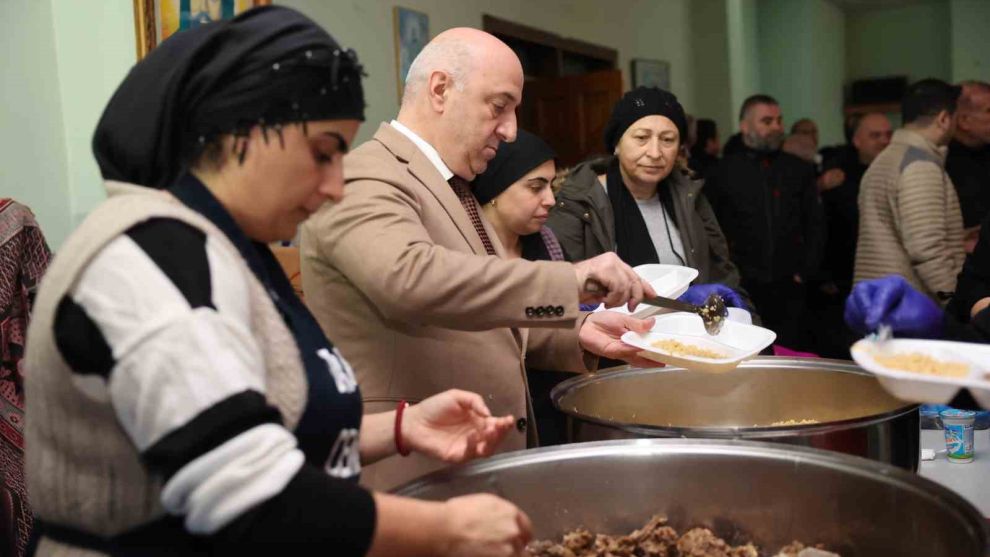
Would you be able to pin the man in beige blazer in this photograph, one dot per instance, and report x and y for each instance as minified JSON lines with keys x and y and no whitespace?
{"x":412,"y":287}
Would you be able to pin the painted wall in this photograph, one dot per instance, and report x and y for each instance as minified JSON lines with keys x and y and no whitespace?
{"x":66,"y":61}
{"x":913,"y":40}
{"x":710,"y":55}
{"x":802,"y":61}
{"x":970,"y":39}
{"x":33,"y":166}
{"x":656,"y":29}
{"x":89,"y":71}
{"x":744,"y":61}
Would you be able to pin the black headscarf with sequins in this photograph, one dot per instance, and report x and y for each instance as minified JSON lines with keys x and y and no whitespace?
{"x":268,"y":66}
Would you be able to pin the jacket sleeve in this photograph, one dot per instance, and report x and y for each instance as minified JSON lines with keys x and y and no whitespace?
{"x":187,"y":381}
{"x":973,"y":283}
{"x":376,"y":238}
{"x":559,"y":350}
{"x":814,"y":225}
{"x":723,"y":270}
{"x":976,"y":329}
{"x":923,"y":228}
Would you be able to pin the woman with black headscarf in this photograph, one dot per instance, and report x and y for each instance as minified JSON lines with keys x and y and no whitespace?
{"x":516,"y":195}
{"x":642,"y":202}
{"x":181,"y":399}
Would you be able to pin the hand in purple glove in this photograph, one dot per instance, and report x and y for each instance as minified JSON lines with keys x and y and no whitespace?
{"x":892,"y":301}
{"x":698,"y":293}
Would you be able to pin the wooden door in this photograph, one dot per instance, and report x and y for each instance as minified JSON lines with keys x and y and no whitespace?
{"x":570,"y":112}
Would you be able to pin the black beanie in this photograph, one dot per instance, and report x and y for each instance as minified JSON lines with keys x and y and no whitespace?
{"x":640,"y":102}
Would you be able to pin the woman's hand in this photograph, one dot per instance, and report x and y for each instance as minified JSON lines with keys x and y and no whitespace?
{"x":600,"y":334}
{"x":453,"y":426}
{"x":484,"y":525}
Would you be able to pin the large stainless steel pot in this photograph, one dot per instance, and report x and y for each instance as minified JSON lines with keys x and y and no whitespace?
{"x":855,"y":414}
{"x":744,"y":491}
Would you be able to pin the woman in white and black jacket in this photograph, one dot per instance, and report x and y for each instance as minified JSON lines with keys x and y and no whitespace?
{"x":181,"y":399}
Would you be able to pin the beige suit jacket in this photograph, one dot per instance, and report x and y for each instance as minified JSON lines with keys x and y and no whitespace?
{"x":399,"y":280}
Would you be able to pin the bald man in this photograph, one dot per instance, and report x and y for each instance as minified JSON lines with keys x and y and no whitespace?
{"x":408,"y":278}
{"x":869,"y":135}
{"x":968,"y":162}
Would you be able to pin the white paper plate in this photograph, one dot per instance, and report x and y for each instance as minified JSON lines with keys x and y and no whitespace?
{"x":934,"y":389}
{"x":670,"y":281}
{"x":737,"y":341}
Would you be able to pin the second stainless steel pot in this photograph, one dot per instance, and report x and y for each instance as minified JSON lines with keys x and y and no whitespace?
{"x":852,"y":413}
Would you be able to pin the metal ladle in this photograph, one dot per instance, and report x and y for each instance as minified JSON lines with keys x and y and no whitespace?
{"x":713,"y":312}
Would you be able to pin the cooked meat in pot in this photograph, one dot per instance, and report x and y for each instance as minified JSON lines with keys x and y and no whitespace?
{"x":658,"y":539}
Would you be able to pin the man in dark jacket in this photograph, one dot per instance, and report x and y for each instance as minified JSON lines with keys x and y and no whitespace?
{"x":768,"y":207}
{"x":968,"y":162}
{"x":868,"y":135}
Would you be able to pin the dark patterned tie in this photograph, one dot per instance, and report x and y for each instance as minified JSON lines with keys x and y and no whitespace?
{"x":463,"y":191}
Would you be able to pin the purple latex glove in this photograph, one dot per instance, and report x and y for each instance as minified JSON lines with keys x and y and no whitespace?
{"x":891,"y":300}
{"x":698,"y":293}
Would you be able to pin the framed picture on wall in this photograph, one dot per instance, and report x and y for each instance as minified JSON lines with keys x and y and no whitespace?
{"x":412,"y":32}
{"x":650,"y":73}
{"x":157,"y":20}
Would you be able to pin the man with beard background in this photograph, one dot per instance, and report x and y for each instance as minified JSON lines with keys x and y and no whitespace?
{"x":768,"y":208}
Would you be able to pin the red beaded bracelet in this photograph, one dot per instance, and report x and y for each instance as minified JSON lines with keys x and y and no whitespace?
{"x":398,"y":428}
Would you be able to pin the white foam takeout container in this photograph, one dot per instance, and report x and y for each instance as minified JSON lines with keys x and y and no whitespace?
{"x":669,"y":281}
{"x":933,"y":389}
{"x":738,"y":341}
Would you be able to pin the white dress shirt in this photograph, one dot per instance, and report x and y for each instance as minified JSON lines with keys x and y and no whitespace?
{"x":431,"y":154}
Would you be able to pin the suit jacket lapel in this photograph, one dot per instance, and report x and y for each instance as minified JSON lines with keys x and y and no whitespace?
{"x":423,"y":170}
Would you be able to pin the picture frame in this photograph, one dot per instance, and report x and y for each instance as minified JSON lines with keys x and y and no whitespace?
{"x":650,"y":73}
{"x":411,"y":30}
{"x":157,"y":20}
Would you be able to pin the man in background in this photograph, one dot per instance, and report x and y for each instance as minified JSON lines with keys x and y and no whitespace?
{"x":869,"y":135}
{"x":910,"y":223}
{"x":968,"y":162}
{"x":768,"y":208}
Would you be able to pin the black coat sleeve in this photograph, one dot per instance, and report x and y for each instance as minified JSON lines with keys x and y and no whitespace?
{"x":973,"y":283}
{"x":814,"y":225}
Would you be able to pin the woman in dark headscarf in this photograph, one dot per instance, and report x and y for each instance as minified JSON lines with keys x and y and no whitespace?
{"x":643,"y":203}
{"x":182,"y":400}
{"x":516,"y":194}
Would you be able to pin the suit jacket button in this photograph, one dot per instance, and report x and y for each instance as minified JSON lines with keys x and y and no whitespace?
{"x":559,"y":310}
{"x":540,"y":311}
{"x":529,"y":311}
{"x":521,"y":424}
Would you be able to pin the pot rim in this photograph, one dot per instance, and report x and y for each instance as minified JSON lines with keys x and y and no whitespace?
{"x":839,"y":462}
{"x":743,"y":432}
